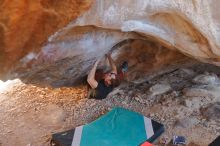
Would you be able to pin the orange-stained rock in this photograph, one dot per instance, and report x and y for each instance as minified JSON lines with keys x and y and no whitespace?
{"x":189,"y":27}
{"x":26,"y":24}
{"x":67,"y":59}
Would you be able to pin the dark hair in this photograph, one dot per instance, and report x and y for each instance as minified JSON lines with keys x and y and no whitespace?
{"x":115,"y":82}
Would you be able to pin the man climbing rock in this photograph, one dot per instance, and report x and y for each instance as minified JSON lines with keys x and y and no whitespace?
{"x":101,"y":84}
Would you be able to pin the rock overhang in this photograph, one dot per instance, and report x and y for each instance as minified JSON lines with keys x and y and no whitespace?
{"x":188,"y":27}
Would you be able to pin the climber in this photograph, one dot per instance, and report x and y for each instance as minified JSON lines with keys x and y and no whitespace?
{"x":101,"y":84}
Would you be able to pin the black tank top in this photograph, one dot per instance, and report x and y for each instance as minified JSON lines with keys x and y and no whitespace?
{"x":102,"y":90}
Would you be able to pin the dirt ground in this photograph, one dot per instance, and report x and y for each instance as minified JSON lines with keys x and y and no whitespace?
{"x":29,"y":114}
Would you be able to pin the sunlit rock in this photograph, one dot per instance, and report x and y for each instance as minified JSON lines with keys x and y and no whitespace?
{"x":26,"y":25}
{"x":189,"y":27}
{"x":207,"y":79}
{"x":159,"y":89}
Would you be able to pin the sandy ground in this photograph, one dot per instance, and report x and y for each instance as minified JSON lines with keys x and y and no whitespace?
{"x":29,"y":114}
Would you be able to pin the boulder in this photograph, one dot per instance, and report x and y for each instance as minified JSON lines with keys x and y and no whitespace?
{"x":159,"y":89}
{"x":46,"y":32}
{"x":212,"y":112}
{"x":210,"y":79}
{"x":187,"y":122}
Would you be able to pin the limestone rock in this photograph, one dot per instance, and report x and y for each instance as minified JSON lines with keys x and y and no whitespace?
{"x":194,"y":103}
{"x":188,"y":72}
{"x":211,"y":92}
{"x":195,"y":92}
{"x":159,"y":89}
{"x":66,"y":60}
{"x":206,"y":79}
{"x":190,"y":27}
{"x":197,"y":102}
{"x":212,"y":112}
{"x":25,"y":26}
{"x":186,"y":122}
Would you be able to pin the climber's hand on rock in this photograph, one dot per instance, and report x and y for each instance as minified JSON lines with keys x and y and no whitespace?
{"x":97,"y":61}
{"x":107,"y":55}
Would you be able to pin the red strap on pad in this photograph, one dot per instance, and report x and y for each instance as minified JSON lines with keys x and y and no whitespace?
{"x":146,"y":144}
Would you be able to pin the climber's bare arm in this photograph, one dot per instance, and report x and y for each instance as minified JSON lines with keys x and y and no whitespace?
{"x":91,"y":76}
{"x":112,"y":64}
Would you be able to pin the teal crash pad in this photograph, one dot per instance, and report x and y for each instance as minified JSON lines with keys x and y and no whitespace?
{"x":119,"y":127}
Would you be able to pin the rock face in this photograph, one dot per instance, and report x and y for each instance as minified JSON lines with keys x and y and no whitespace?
{"x":190,"y":27}
{"x":212,"y":112}
{"x":59,"y":66}
{"x":159,"y":89}
{"x":26,"y":25}
{"x":206,"y":85}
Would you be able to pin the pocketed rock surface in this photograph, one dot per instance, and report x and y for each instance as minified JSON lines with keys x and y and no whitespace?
{"x":188,"y":106}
